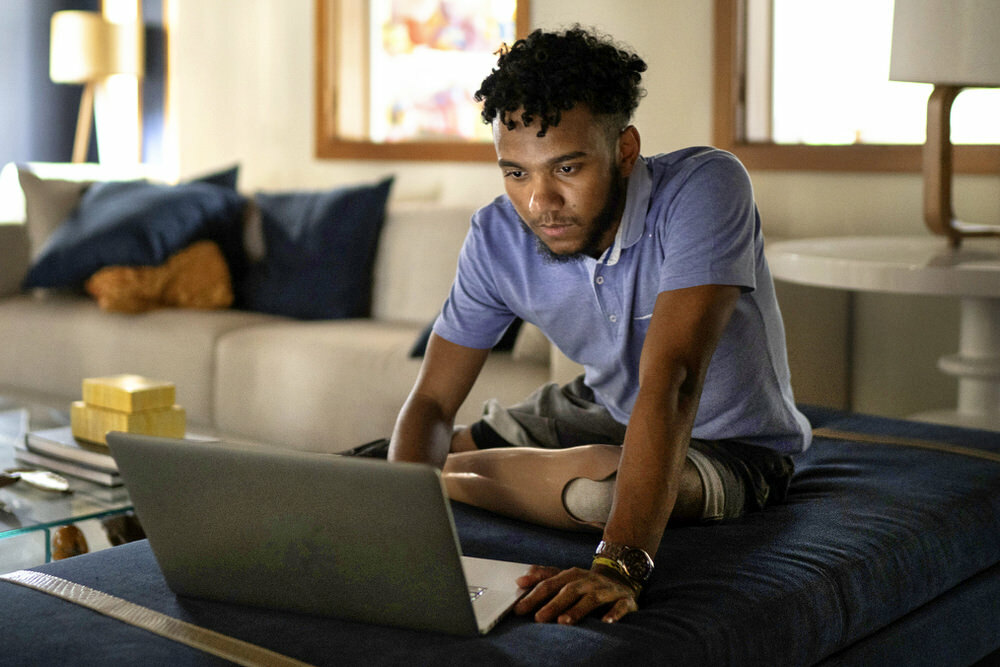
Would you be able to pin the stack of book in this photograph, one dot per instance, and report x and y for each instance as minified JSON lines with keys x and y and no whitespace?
{"x":56,"y":449}
{"x":128,"y":403}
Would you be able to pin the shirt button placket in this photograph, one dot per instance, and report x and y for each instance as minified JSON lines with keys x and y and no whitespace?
{"x":612,"y":318}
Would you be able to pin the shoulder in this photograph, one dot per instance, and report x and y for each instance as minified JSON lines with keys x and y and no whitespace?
{"x":693,"y":156}
{"x":703,"y":161}
{"x":700,"y":173}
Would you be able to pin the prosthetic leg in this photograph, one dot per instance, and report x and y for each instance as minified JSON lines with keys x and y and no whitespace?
{"x":529,"y":483}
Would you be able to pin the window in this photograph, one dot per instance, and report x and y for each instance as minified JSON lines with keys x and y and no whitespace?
{"x":396,"y":78}
{"x":758,"y":112}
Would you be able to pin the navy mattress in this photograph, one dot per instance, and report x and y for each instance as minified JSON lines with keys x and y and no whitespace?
{"x":884,"y":554}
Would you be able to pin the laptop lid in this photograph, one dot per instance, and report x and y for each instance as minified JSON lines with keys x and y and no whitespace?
{"x":323,"y":534}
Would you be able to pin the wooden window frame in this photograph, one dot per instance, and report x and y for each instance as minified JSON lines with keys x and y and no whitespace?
{"x":331,"y":146}
{"x":728,"y":134}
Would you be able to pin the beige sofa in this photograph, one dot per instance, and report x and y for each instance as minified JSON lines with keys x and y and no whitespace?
{"x":317,"y":385}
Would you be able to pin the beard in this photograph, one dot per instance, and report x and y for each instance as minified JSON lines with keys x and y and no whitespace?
{"x":599,"y":226}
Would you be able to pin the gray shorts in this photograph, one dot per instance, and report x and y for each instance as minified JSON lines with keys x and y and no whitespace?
{"x":736,"y":477}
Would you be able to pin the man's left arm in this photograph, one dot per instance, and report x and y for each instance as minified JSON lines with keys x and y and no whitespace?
{"x":683,"y":333}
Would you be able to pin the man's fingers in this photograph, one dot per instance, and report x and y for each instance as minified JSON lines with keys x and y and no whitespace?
{"x":563,"y":606}
{"x":547,"y":581}
{"x":585,"y":604}
{"x":581,"y":598}
{"x":618,"y":611}
{"x":535,"y":575}
{"x":570,"y":595}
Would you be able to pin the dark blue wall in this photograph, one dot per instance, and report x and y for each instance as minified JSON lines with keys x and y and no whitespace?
{"x":154,"y":86}
{"x":38,"y":117}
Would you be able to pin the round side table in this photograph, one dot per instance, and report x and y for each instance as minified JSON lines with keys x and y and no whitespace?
{"x":923,"y":265}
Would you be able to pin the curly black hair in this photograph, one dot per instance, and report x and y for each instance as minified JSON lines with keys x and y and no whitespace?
{"x":550,"y":72}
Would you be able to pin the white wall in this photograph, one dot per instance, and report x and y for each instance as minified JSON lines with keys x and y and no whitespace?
{"x":241,"y":90}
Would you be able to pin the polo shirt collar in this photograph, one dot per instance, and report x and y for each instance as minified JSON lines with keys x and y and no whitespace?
{"x":634,"y":217}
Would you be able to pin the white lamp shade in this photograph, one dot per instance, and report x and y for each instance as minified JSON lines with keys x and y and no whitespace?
{"x":86,"y":47}
{"x":953,"y":42}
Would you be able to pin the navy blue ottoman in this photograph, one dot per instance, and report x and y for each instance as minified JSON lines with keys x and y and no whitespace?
{"x":884,"y":554}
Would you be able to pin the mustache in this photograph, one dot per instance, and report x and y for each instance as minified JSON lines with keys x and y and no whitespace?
{"x":543,"y":250}
{"x":553,"y":221}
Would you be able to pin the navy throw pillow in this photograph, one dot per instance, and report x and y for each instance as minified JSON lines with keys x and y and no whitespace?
{"x":320,"y":250}
{"x":137,"y":223}
{"x":224,"y":178}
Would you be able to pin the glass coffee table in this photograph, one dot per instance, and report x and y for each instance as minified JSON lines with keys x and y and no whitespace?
{"x":28,"y":515}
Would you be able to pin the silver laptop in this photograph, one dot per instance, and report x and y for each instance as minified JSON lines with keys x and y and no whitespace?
{"x":353,"y":538}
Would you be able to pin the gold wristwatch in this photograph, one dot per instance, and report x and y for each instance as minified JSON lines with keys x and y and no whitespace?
{"x":631,"y":562}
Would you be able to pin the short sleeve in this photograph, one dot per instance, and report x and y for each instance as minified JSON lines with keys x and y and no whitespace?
{"x":708,"y":228}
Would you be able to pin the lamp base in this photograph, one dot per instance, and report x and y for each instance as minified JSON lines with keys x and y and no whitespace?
{"x":84,"y":120}
{"x":939,"y":212}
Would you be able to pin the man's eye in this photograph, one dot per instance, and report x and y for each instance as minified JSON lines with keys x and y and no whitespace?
{"x":567,"y":168}
{"x":514,"y":173}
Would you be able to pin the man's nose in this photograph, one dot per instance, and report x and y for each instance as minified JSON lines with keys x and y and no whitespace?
{"x":544,"y":198}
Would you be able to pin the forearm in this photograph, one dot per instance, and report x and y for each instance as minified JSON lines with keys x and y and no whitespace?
{"x":649,"y":474}
{"x":682,"y":337}
{"x":425,"y":424}
{"x":648,"y":477}
{"x":422,"y":433}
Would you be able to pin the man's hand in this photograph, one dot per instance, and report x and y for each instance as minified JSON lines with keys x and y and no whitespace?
{"x":566,"y":596}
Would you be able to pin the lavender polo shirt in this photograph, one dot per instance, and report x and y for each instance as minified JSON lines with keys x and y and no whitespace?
{"x":690,"y":219}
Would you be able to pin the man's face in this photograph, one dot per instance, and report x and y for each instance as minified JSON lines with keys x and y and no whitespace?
{"x":568,"y":186}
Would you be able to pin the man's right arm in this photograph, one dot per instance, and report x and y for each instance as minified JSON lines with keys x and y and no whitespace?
{"x":426,"y":422}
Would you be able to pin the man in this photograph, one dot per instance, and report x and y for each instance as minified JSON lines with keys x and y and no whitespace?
{"x":650,"y":273}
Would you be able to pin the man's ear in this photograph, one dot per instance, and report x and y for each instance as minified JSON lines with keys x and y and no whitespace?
{"x":628,"y":149}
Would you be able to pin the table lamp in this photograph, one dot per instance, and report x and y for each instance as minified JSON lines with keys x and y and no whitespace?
{"x":86,"y":48}
{"x":953,"y":44}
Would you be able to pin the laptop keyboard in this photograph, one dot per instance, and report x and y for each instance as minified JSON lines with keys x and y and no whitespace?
{"x":475,"y":592}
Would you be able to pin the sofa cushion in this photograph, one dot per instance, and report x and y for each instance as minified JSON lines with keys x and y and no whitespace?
{"x":532,"y":345}
{"x":47,"y":203}
{"x":49,"y":192}
{"x":417,"y":255}
{"x":195,"y":277}
{"x":135,"y":223}
{"x":319,"y":250}
{"x":15,"y":249}
{"x":52,"y":341}
{"x":329,"y":386}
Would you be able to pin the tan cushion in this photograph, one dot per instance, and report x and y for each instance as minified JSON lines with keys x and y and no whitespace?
{"x":416,"y":260}
{"x":531,"y":345}
{"x":329,"y":386}
{"x":14,"y":252}
{"x":51,"y":343}
{"x":47,"y":203}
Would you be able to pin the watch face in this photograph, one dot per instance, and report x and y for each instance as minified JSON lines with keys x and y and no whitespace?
{"x":637,"y":564}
